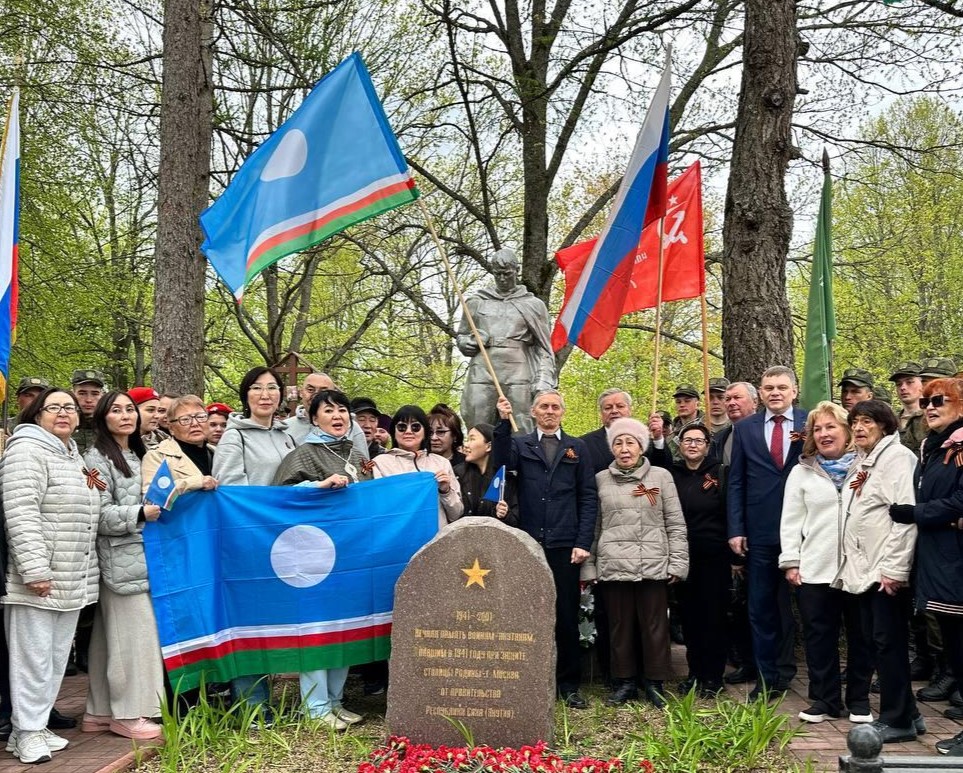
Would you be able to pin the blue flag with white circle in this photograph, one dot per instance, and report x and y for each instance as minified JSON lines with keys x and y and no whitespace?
{"x":278,"y":579}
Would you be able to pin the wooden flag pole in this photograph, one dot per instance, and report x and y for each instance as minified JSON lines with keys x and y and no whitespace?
{"x":464,"y":306}
{"x":658,"y":320}
{"x":705,"y":350}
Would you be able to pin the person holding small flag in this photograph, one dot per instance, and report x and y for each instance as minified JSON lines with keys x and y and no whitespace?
{"x":124,"y":663}
{"x":486,"y":491}
{"x":186,"y":454}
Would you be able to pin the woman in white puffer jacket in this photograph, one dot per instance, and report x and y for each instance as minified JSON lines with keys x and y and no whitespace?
{"x":52,"y":510}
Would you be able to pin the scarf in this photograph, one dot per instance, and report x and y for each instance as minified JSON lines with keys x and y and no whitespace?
{"x":836,"y":469}
{"x":317,"y":435}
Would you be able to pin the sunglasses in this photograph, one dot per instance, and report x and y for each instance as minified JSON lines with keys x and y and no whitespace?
{"x":937,"y":401}
{"x":404,"y":426}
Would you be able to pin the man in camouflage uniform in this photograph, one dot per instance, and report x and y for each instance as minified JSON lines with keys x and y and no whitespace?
{"x":27,"y":390}
{"x":686,"y":412}
{"x":88,"y":386}
{"x":909,"y":389}
{"x":718,"y":419}
{"x":855,"y":386}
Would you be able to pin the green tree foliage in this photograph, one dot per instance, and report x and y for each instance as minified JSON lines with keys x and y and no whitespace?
{"x":898,"y":223}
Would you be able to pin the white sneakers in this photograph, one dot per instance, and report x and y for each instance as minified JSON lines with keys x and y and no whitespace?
{"x":348,"y":717}
{"x":35,"y":747}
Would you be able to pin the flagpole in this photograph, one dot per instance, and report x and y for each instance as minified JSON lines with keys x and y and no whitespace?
{"x":705,"y":349}
{"x":829,"y":341}
{"x":464,"y":306}
{"x":658,"y":319}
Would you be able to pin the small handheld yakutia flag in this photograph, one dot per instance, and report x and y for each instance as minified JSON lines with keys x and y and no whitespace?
{"x":162,"y":490}
{"x":333,"y":163}
{"x":496,"y":489}
{"x":278,"y":579}
{"x":590,"y":317}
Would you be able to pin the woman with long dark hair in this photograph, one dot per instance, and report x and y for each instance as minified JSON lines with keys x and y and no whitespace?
{"x":475,"y":475}
{"x":125,"y":666}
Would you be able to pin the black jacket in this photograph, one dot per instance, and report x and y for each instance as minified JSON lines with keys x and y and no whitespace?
{"x":474,"y":484}
{"x":703,"y":501}
{"x":557,"y":499}
{"x":939,"y":503}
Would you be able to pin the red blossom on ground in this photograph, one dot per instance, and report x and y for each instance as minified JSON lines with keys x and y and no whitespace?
{"x":401,"y":756}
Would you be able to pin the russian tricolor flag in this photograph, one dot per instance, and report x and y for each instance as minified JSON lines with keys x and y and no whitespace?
{"x":590,"y":318}
{"x":9,"y":235}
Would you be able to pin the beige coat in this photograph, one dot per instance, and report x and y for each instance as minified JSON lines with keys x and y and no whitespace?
{"x":636,"y":539}
{"x":396,"y":462}
{"x":873,"y":545}
{"x":184,"y":472}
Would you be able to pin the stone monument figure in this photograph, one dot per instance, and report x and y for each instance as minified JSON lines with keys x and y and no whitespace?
{"x":514,"y":328}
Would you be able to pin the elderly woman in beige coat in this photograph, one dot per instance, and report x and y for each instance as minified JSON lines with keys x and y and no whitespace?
{"x":640,"y":548}
{"x":52,"y":510}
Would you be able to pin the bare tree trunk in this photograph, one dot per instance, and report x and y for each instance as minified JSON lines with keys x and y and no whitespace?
{"x":756,"y":327}
{"x":185,"y":159}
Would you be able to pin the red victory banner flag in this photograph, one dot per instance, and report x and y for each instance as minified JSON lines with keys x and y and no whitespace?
{"x":684,"y":259}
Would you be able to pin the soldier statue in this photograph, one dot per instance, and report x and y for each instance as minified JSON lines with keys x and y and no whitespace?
{"x":514,"y":329}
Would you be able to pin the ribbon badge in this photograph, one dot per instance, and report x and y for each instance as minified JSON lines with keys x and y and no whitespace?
{"x":797,"y":437}
{"x":954,"y":452}
{"x":367,"y":466}
{"x":94,"y":480}
{"x":570,"y":454}
{"x":856,"y":484}
{"x":709,"y":482}
{"x":649,"y":493}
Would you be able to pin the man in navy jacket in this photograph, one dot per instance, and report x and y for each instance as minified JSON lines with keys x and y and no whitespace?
{"x":765,"y":447}
{"x":557,"y":504}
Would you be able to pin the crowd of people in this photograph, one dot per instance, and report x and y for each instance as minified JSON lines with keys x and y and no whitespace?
{"x":851,"y":511}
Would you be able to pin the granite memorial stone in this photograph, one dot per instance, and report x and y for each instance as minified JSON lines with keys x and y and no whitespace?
{"x":473,"y":639}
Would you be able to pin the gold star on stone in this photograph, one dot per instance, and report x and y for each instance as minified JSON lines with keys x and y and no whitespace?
{"x":476,"y":575}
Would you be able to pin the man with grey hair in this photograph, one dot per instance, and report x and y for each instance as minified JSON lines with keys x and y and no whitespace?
{"x":513,"y":326}
{"x":558,"y":505}
{"x":613,"y":404}
{"x":765,"y":448}
{"x":299,"y":425}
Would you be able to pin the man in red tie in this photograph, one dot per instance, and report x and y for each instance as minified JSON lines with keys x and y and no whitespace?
{"x":765,"y":447}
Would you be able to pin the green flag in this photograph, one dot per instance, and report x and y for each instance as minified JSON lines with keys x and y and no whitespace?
{"x":821,"y":316}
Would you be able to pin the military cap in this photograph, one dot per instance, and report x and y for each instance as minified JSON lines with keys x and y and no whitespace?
{"x":906,"y":369}
{"x":718,"y":384}
{"x":938,"y":367}
{"x":364,"y":405}
{"x":882,"y":393}
{"x":31,"y":382}
{"x":88,"y":377}
{"x":857,"y":376}
{"x":686,"y":390}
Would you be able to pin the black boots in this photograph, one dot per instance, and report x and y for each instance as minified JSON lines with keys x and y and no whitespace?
{"x":624,"y":691}
{"x":653,"y":693}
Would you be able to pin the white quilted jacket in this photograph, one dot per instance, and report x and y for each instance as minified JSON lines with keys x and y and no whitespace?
{"x":51,"y":518}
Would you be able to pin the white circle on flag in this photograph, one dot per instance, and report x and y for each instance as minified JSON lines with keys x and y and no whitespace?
{"x":288,"y":158}
{"x":164,"y":482}
{"x":302,"y":556}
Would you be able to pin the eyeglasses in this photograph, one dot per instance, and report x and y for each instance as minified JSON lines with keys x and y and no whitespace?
{"x":264,"y":388}
{"x":937,"y":401}
{"x":186,"y":421}
{"x":439,"y":432}
{"x":693,"y":441}
{"x":404,"y":426}
{"x":67,"y":408}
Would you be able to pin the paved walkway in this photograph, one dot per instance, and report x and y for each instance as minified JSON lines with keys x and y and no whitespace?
{"x":822,"y":744}
{"x":88,"y":752}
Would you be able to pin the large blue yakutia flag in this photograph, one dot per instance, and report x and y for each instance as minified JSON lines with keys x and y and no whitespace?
{"x":333,"y":163}
{"x":261,"y":580}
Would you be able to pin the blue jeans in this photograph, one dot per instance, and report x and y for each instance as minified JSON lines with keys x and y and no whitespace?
{"x":254,"y":689}
{"x":322,"y":690}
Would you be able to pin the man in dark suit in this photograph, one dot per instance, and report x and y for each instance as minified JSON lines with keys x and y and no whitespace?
{"x":613,"y":404}
{"x":557,"y":505}
{"x":765,"y":447}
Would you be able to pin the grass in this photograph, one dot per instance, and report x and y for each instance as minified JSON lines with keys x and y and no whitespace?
{"x":689,"y":736}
